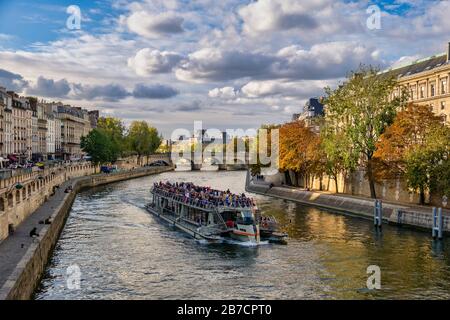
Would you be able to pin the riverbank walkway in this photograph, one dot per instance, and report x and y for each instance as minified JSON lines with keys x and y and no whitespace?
{"x":13,"y":248}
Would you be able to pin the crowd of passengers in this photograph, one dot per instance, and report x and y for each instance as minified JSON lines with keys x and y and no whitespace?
{"x":205,"y":196}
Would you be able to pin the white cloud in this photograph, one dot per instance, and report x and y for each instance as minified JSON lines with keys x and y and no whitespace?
{"x":297,"y":89}
{"x":152,"y":25}
{"x":49,"y":88}
{"x":321,"y":61}
{"x":148,"y":61}
{"x":223,"y":93}
{"x":276,"y":15}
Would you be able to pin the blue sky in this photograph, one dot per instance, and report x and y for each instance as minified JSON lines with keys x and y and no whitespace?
{"x":230,"y":63}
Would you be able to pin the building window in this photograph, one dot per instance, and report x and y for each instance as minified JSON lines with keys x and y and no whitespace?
{"x":432,"y":89}
{"x":444,"y":86}
{"x":412,"y":91}
{"x":422,"y":92}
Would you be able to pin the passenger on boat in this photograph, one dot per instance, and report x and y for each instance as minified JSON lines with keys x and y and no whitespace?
{"x":230,"y":224}
{"x":204,"y":196}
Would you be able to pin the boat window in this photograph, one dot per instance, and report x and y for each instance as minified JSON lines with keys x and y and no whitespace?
{"x":245,"y":217}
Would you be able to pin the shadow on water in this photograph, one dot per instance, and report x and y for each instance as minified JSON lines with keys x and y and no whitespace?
{"x":124,"y":252}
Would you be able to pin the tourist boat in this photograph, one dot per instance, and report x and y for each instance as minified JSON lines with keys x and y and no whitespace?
{"x":269,"y":230}
{"x":208,"y":220}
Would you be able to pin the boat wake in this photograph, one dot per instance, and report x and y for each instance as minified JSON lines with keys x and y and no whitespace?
{"x":234,"y":242}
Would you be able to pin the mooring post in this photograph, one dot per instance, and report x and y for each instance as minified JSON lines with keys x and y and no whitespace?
{"x":377,"y":214}
{"x":437,"y":223}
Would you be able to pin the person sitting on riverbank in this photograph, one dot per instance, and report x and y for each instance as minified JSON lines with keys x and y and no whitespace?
{"x":33,"y":233}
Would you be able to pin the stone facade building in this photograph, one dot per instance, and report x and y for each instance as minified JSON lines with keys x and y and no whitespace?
{"x":39,"y":131}
{"x":21,"y":128}
{"x":428,"y":82}
{"x":74,"y":123}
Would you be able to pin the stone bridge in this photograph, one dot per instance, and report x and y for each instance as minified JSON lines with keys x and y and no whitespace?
{"x":133,"y":161}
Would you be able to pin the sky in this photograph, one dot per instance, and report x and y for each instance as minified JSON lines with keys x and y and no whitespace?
{"x":230,"y":63}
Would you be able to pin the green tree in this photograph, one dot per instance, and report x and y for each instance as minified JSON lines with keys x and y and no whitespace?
{"x":99,"y":146}
{"x":256,"y":144}
{"x":360,"y":109}
{"x":143,"y":139}
{"x":338,"y":155}
{"x":437,"y":156}
{"x":412,"y":147}
{"x":115,"y":130}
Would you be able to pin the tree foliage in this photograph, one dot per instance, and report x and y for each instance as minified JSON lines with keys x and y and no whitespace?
{"x":143,"y":139}
{"x":337,"y":156}
{"x":115,"y":130}
{"x":414,"y":147}
{"x":361,"y":109}
{"x":99,"y":146}
{"x":256,"y":146}
{"x":299,"y":147}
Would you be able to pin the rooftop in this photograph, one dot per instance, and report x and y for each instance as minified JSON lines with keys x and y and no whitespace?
{"x":419,"y":66}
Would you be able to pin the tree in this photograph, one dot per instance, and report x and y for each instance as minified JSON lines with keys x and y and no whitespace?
{"x":361,"y":109}
{"x":438,"y":157}
{"x":99,"y":146}
{"x":295,"y":151}
{"x":143,"y":139}
{"x":163,"y":148}
{"x":413,"y":147}
{"x":254,"y":147}
{"x":338,"y":155}
{"x":115,"y":130}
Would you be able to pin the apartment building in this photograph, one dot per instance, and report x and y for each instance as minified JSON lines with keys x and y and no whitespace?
{"x":39,"y":131}
{"x":21,"y":128}
{"x":428,"y":82}
{"x":34,"y":135}
{"x":6,"y":101}
{"x":50,"y":138}
{"x":73,"y":122}
{"x":2,"y":125}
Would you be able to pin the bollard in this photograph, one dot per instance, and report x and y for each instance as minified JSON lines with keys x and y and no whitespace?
{"x":437,"y":223}
{"x":377,"y":214}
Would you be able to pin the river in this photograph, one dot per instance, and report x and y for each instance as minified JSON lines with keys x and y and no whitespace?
{"x":123,"y":252}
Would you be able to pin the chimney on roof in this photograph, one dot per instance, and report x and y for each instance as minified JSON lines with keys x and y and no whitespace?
{"x":448,"y":52}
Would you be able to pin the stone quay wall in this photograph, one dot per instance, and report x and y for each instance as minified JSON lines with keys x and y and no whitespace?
{"x":25,"y":278}
{"x":417,"y":217}
{"x":22,"y":195}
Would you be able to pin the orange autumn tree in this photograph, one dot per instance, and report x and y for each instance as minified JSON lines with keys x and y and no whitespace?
{"x":297,"y":151}
{"x":408,"y":134}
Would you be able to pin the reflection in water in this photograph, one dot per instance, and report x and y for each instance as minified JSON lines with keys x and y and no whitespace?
{"x":125,"y":253}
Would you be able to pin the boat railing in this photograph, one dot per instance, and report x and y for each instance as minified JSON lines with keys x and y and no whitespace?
{"x":196,"y":202}
{"x":212,"y":229}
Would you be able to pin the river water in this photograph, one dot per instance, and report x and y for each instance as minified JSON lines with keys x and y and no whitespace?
{"x":123,"y":252}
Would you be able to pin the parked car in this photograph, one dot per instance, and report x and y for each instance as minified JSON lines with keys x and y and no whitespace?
{"x":108,"y":169}
{"x":158,"y":163}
